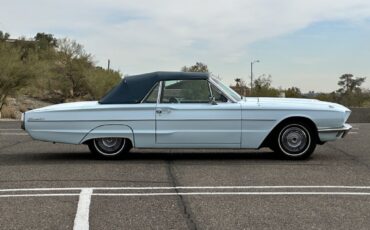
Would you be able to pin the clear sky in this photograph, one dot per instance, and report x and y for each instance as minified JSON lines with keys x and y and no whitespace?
{"x":301,"y":43}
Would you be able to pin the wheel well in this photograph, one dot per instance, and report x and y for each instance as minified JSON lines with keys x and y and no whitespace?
{"x":307,"y":121}
{"x":127,"y":139}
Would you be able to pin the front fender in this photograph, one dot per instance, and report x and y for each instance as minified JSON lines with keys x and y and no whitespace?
{"x":114,"y":130}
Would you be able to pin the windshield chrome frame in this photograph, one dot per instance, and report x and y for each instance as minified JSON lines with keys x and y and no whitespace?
{"x":214,"y":83}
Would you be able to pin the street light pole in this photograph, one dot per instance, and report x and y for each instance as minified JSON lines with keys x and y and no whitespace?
{"x":255,"y":61}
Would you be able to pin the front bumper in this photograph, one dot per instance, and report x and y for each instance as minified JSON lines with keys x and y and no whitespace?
{"x":331,"y":134}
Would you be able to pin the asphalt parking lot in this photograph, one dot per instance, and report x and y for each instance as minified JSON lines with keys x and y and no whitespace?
{"x":56,"y":186}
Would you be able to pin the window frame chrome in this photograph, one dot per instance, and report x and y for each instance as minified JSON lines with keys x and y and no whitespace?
{"x":209,"y":80}
{"x":148,"y":94}
{"x":160,"y":92}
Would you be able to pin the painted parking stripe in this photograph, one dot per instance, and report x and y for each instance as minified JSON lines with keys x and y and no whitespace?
{"x":81,"y":221}
{"x":234,"y":193}
{"x":82,"y":216}
{"x":39,"y":195}
{"x":190,"y":187}
{"x":11,"y":130}
{"x":85,"y":199}
{"x":13,"y":134}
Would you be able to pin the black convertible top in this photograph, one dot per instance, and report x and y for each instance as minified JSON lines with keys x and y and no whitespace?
{"x":134,"y":88}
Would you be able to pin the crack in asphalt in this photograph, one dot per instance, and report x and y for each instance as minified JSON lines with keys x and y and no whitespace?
{"x":350,"y":156}
{"x":181,"y":201}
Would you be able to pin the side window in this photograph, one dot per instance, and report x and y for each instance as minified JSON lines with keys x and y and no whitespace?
{"x":185,"y":91}
{"x":153,"y":95}
{"x":217,"y":94}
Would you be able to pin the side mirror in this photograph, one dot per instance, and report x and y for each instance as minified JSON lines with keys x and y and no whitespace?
{"x":212,"y":101}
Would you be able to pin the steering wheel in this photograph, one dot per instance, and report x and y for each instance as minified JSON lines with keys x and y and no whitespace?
{"x":173,"y":100}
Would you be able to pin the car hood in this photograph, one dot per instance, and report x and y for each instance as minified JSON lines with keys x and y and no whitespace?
{"x":294,"y":103}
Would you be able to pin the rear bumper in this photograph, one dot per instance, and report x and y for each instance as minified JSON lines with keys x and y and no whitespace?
{"x":23,"y":120}
{"x":332,"y":134}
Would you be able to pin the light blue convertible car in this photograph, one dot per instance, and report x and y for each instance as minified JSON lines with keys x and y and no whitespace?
{"x":188,"y":110}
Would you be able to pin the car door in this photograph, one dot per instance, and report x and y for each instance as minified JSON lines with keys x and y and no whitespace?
{"x":186,"y":118}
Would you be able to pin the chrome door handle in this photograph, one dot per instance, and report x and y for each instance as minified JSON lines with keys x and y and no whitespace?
{"x":160,"y":111}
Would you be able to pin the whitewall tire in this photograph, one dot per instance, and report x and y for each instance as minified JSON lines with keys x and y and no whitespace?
{"x":295,"y":140}
{"x":111,"y":147}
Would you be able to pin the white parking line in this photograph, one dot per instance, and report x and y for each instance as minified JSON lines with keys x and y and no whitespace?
{"x":81,"y":221}
{"x":82,"y":216}
{"x":14,"y":134}
{"x":190,"y":187}
{"x":11,"y":130}
{"x":233,"y":193}
{"x":39,"y":195}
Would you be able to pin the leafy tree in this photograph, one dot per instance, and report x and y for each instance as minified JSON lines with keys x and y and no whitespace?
{"x":45,"y":41}
{"x":4,"y":36}
{"x":332,"y":97}
{"x":349,"y":84}
{"x":71,"y":68}
{"x":198,"y":67}
{"x":15,"y":73}
{"x":293,"y":92}
{"x":350,"y":93}
{"x":99,"y":81}
{"x":262,"y":87}
{"x":61,"y":70}
{"x":46,"y":45}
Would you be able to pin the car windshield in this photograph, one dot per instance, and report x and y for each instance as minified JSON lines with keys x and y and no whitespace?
{"x":227,"y":89}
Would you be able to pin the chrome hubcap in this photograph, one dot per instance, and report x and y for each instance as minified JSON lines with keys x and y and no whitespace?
{"x":294,"y":139}
{"x":109,"y":142}
{"x":109,"y":146}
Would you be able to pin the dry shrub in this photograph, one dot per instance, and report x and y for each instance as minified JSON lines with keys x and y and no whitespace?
{"x":8,"y":112}
{"x":23,"y":108}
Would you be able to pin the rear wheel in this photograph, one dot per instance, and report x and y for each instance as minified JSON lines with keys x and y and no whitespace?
{"x":111,"y":147}
{"x":295,"y":140}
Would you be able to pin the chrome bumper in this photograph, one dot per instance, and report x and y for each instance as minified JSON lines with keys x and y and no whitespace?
{"x":341,"y":132}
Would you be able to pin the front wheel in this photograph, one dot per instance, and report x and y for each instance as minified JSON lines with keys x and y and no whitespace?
{"x":111,"y":147}
{"x":295,"y":141}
